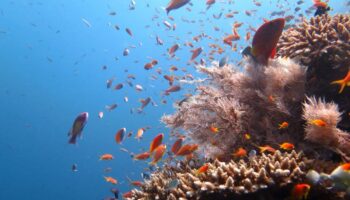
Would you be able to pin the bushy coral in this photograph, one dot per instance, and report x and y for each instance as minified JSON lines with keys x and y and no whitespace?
{"x":259,"y":173}
{"x":255,"y":101}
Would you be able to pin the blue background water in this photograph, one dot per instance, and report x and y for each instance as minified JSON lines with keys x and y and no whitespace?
{"x":50,"y":70}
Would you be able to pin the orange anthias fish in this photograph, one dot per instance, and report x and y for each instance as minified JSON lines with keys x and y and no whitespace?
{"x":139,"y":133}
{"x":319,"y":3}
{"x":106,"y":157}
{"x":173,"y":88}
{"x":176,"y":146}
{"x":287,"y":146}
{"x":195,"y":53}
{"x":265,"y":41}
{"x":173,"y":49}
{"x":142,"y":156}
{"x":78,"y":126}
{"x":158,"y":154}
{"x":214,"y":129}
{"x":119,"y":136}
{"x":144,"y":103}
{"x":175,"y":4}
{"x":247,"y":136}
{"x":187,"y":149}
{"x":111,"y":180}
{"x":240,"y":153}
{"x":318,"y":122}
{"x":170,"y":79}
{"x":283,"y":125}
{"x":343,"y":82}
{"x":128,"y":194}
{"x":300,"y":191}
{"x":156,"y":142}
{"x":202,"y":169}
{"x":266,"y":148}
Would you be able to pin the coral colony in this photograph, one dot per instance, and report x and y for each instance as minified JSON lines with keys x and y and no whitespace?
{"x":301,"y":98}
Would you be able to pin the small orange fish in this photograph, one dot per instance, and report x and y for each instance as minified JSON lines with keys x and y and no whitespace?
{"x":174,"y":88}
{"x":139,"y":133}
{"x":247,"y":136}
{"x":272,"y":98}
{"x":247,"y":36}
{"x":175,"y":4}
{"x":214,"y":129}
{"x":106,"y":157}
{"x":319,"y":3}
{"x":111,"y":180}
{"x":283,"y":125}
{"x":176,"y":146}
{"x":136,"y":183}
{"x":195,"y":53}
{"x":156,"y":142}
{"x":300,"y":191}
{"x":187,"y":149}
{"x":158,"y":154}
{"x":148,"y":66}
{"x":128,"y":194}
{"x":170,"y":79}
{"x":318,"y":122}
{"x":240,"y":153}
{"x":343,"y":82}
{"x":118,"y":86}
{"x":287,"y":146}
{"x":346,"y":167}
{"x":266,"y":148}
{"x":172,"y":50}
{"x":119,"y":136}
{"x":142,"y":156}
{"x":202,"y":169}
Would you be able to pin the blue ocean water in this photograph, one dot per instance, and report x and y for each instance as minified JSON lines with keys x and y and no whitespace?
{"x":51,"y":70}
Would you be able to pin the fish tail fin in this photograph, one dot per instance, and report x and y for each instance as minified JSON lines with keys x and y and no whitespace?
{"x":339,"y":82}
{"x":72,"y":140}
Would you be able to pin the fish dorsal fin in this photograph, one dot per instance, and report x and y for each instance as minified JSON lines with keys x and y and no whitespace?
{"x":273,"y":53}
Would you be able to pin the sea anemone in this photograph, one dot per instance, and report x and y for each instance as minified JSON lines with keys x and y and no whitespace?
{"x":324,"y":131}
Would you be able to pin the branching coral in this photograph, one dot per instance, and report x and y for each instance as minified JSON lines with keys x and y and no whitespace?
{"x":326,"y":134}
{"x":255,"y":101}
{"x":322,"y":38}
{"x":226,"y":179}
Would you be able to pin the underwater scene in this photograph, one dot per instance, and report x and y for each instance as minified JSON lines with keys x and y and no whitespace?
{"x":175,"y":99}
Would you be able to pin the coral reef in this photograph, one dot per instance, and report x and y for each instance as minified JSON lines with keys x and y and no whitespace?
{"x":255,"y":101}
{"x":322,"y":38}
{"x":327,"y":135}
{"x":322,"y":44}
{"x":263,"y":172}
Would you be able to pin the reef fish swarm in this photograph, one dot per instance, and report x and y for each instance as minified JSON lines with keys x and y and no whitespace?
{"x":230,"y":178}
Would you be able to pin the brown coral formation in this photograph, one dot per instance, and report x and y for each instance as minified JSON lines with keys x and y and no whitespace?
{"x":323,"y":38}
{"x":226,"y":179}
{"x":255,"y":101}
